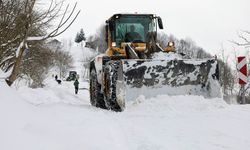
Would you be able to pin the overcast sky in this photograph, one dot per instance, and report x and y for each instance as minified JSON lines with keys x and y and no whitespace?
{"x":210,"y":23}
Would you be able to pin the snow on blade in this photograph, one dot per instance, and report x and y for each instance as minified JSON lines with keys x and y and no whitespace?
{"x":152,"y":77}
{"x":165,"y":56}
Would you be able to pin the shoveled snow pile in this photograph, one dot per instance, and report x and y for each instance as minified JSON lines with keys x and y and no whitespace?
{"x":166,"y":56}
{"x":180,"y":103}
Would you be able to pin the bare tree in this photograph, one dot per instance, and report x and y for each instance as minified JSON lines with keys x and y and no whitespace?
{"x":63,"y":61}
{"x":186,"y":46}
{"x":30,"y":25}
{"x":40,"y":58}
{"x":244,"y":39}
{"x":163,"y":39}
{"x":97,"y":41}
{"x":37,"y":61}
{"x":227,"y":78}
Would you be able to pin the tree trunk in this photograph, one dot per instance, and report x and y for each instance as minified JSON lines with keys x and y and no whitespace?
{"x":16,"y":69}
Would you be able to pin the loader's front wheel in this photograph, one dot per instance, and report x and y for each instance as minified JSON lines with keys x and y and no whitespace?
{"x":96,"y":97}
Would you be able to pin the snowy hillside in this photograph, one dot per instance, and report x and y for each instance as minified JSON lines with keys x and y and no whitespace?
{"x":54,"y":118}
{"x":81,"y":55}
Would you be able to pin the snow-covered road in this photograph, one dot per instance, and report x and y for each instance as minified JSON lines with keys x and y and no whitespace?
{"x":54,"y":118}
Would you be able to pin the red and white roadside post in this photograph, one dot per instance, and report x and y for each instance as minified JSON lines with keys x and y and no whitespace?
{"x":243,"y":76}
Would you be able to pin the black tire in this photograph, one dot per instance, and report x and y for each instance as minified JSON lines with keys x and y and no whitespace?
{"x":110,"y":78}
{"x":96,"y":97}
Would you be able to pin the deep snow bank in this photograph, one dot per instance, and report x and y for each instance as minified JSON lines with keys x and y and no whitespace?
{"x":63,"y":121}
{"x":178,"y":104}
{"x":14,"y":114}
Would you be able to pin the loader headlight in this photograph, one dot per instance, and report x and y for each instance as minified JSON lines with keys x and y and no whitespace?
{"x":113,"y":44}
{"x":170,"y":43}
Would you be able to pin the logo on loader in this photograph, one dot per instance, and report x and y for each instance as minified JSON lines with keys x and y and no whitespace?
{"x":242,"y":67}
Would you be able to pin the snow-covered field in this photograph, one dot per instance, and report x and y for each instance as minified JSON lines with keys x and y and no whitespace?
{"x":54,"y":118}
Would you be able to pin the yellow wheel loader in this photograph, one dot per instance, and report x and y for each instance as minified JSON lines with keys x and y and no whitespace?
{"x":135,"y":64}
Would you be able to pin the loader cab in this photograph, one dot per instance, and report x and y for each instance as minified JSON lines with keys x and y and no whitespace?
{"x":119,"y":26}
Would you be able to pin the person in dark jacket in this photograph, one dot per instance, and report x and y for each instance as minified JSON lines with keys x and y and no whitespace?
{"x":76,"y":84}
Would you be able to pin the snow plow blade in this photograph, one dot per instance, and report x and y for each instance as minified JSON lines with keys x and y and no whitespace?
{"x":171,"y":77}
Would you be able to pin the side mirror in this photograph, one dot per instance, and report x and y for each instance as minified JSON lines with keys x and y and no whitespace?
{"x":160,"y":24}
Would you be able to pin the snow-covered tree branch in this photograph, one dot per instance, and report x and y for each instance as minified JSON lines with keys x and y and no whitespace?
{"x":244,"y":39}
{"x":26,"y":21}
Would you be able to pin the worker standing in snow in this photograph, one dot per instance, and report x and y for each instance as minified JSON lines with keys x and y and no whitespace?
{"x":76,"y":84}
